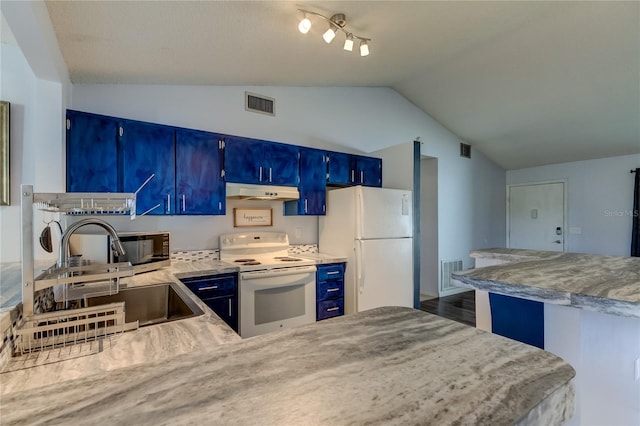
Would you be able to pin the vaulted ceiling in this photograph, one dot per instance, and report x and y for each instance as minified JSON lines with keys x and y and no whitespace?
{"x":526,"y":82}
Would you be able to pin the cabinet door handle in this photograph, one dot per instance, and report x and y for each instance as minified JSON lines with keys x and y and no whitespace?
{"x":305,"y":205}
{"x":353,"y":175}
{"x":270,"y":175}
{"x":361,"y":176}
{"x":211,"y":287}
{"x":333,"y":309}
{"x":260,"y":174}
{"x":333,"y":289}
{"x":333,"y":272}
{"x":184,"y":203}
{"x":168,"y":203}
{"x":229,"y":307}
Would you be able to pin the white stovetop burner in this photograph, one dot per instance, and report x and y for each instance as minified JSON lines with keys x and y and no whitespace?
{"x":253,"y":251}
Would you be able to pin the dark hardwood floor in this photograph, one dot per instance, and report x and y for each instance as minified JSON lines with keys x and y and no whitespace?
{"x":460,"y":307}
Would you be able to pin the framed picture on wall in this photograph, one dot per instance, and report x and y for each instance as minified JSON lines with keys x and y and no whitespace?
{"x":252,"y":217}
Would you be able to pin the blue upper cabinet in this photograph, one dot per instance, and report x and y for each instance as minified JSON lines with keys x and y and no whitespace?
{"x":242,"y":160}
{"x":149,"y":149}
{"x":281,"y":164}
{"x":368,"y":171}
{"x":313,"y":184}
{"x":199,"y":184}
{"x":92,"y":153}
{"x":260,"y":162}
{"x":349,"y":169}
{"x":340,"y":168}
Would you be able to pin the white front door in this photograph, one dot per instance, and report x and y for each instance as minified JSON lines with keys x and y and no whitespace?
{"x":536,"y":216}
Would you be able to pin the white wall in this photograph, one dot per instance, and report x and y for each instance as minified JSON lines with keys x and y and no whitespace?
{"x":599,"y":201}
{"x":37,"y":86}
{"x":35,"y":143}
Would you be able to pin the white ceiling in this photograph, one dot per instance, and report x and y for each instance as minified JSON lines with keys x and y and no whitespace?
{"x":526,"y":82}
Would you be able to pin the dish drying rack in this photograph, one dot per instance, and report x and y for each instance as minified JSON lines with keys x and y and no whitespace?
{"x":41,"y":331}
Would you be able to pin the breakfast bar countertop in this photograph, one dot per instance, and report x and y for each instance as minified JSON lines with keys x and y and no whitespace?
{"x":607,"y":284}
{"x":388,"y":365}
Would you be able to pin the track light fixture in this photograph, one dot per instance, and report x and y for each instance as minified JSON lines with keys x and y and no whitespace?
{"x":337,"y":22}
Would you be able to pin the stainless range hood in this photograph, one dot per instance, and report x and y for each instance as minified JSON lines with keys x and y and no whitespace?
{"x":243,"y":191}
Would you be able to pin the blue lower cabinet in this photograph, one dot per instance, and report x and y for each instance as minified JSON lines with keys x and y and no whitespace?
{"x":329,"y":290}
{"x":329,"y":309}
{"x":219,"y":293}
{"x":517,"y":319}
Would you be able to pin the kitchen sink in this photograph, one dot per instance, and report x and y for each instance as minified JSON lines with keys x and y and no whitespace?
{"x":152,"y":304}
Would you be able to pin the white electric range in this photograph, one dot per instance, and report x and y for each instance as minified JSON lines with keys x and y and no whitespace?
{"x":276,"y":290}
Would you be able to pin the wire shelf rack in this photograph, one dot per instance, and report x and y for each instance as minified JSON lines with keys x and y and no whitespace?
{"x":70,"y":327}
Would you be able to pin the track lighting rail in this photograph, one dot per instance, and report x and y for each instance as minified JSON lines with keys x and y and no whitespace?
{"x":336,"y":22}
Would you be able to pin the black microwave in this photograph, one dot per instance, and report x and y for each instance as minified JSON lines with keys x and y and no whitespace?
{"x":146,"y":251}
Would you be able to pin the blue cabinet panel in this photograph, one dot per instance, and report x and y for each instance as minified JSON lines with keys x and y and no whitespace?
{"x":260,"y":162}
{"x":369,"y":171}
{"x":331,"y":272}
{"x":199,"y":183}
{"x":242,"y":160}
{"x":281,"y":164}
{"x":517,"y":319}
{"x":329,"y":290}
{"x":92,"y":153}
{"x":219,"y":293}
{"x":340,"y":168}
{"x":329,"y":309}
{"x":350,"y":169}
{"x":149,"y":149}
{"x":313,"y":184}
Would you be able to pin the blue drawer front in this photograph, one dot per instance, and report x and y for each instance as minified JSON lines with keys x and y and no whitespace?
{"x":206,"y":288}
{"x":330,"y":308}
{"x":329,"y":290}
{"x":517,"y":319}
{"x":330,"y":272}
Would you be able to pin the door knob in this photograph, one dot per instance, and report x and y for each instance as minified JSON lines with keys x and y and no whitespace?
{"x":558,"y":242}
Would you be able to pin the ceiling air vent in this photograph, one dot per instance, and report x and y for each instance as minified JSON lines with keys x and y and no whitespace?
{"x":465,"y":150}
{"x":259,"y":103}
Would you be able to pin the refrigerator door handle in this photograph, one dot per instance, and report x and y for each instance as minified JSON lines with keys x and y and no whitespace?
{"x":359,"y":263}
{"x":359,"y":214}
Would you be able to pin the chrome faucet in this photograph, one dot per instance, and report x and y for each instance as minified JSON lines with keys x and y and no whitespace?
{"x":63,"y":256}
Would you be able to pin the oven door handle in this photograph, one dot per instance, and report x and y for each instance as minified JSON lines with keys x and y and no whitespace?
{"x":284,"y":272}
{"x":298,"y":279}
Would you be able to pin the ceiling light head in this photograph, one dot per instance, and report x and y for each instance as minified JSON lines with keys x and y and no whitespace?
{"x":329,"y":35}
{"x":364,"y":48}
{"x":305,"y":25}
{"x":348,"y":43}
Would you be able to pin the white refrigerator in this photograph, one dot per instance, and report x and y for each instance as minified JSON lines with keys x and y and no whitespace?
{"x":373,"y":229}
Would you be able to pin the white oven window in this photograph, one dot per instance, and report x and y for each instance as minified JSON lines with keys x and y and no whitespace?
{"x":276,"y":304}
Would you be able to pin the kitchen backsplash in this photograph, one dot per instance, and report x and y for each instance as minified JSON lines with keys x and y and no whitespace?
{"x":193,"y":255}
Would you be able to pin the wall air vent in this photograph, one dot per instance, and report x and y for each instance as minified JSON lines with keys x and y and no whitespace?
{"x":465,"y":150}
{"x":446,"y":269}
{"x":259,"y":103}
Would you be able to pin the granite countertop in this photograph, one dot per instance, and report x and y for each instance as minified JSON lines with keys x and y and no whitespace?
{"x":513,"y":254}
{"x":607,"y":284}
{"x":162,"y":341}
{"x":146,"y":344}
{"x":388,"y":365}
